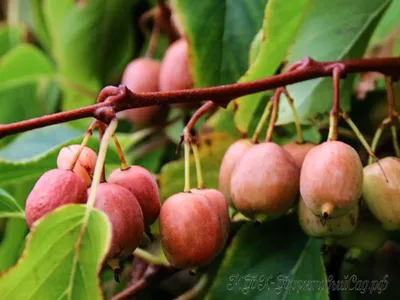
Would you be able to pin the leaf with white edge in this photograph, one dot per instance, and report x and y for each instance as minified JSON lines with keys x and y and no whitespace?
{"x":219,"y":35}
{"x":9,"y":208}
{"x":263,"y":263}
{"x":35,"y":152}
{"x":331,"y":30}
{"x":62,"y":258}
{"x":282,"y":21}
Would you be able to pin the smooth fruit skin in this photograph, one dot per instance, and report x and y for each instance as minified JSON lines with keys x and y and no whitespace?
{"x":298,"y":151}
{"x":85,"y":164}
{"x":125,"y":215}
{"x":265,"y":181}
{"x":383,"y":197}
{"x":141,"y":76}
{"x":232,"y":155}
{"x":334,"y":227}
{"x":190,"y":230}
{"x":331,"y":179}
{"x":218,"y":202}
{"x":52,"y":190}
{"x":175,"y":70}
{"x":141,"y":183}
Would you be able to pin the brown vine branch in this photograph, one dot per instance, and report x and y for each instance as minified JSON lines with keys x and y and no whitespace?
{"x":122,"y":98}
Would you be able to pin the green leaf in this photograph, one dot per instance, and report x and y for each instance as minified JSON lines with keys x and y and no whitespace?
{"x":9,"y":208}
{"x":211,"y":150}
{"x":16,"y":229}
{"x":35,"y":152}
{"x":389,"y":24}
{"x":332,"y":30}
{"x":62,"y":258}
{"x":38,"y":25}
{"x":21,"y":71}
{"x":263,"y":263}
{"x":219,"y":46}
{"x":286,"y":14}
{"x":10,"y":37}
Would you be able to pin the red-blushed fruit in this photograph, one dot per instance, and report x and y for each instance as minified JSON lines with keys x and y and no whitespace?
{"x":141,"y":76}
{"x":232,"y":155}
{"x":52,"y":190}
{"x":85,"y":164}
{"x":190,"y":230}
{"x":265,"y":181}
{"x":331,"y":179}
{"x":217,"y":200}
{"x":298,"y":151}
{"x":141,"y":183}
{"x":125,"y":215}
{"x":175,"y":70}
{"x":332,"y":227}
{"x":381,"y":191}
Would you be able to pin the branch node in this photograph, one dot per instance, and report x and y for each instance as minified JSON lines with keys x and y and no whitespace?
{"x":104,"y":114}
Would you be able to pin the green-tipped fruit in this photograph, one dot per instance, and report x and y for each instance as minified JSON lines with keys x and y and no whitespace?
{"x":331,"y":179}
{"x":333,"y":227}
{"x":381,"y":191}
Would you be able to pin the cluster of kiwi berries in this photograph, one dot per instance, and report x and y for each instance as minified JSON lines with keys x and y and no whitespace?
{"x":145,"y":74}
{"x":130,"y":197}
{"x":325,"y":181}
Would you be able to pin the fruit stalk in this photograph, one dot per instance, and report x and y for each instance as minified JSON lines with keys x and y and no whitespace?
{"x":200,"y":182}
{"x":296,"y":119}
{"x":260,"y":125}
{"x":100,"y":162}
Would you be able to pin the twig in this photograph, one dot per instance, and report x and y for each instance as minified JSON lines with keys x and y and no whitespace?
{"x":125,"y":99}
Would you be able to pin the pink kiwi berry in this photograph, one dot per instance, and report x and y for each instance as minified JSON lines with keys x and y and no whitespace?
{"x":141,"y":183}
{"x":52,"y":190}
{"x":381,"y":191}
{"x":331,"y":179}
{"x":229,"y":161}
{"x":125,"y":215}
{"x":265,"y":181}
{"x":217,"y":200}
{"x":298,"y":151}
{"x":175,"y":70}
{"x":84,"y":166}
{"x":190,"y":230}
{"x":141,"y":76}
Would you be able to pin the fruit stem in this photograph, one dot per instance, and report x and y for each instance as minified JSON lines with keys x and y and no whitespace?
{"x":274,"y":115}
{"x":300,"y":138}
{"x":200,"y":182}
{"x":196,"y":290}
{"x":148,"y":257}
{"x":377,"y":137}
{"x":187,"y":166}
{"x":155,"y":34}
{"x":98,"y":170}
{"x":262,"y":121}
{"x":358,"y":134}
{"x":124,"y":165}
{"x":334,"y":114}
{"x":395,"y":141}
{"x":88,"y":134}
{"x":101,"y":134}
